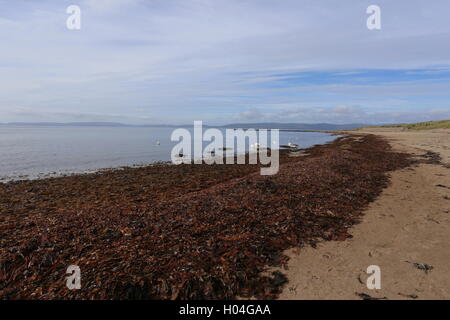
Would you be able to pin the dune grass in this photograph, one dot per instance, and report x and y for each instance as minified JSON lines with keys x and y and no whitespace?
{"x":443,"y":124}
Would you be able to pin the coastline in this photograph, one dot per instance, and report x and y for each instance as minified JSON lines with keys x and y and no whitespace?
{"x":15,"y":168}
{"x":184,"y":232}
{"x":71,"y":173}
{"x":409,"y":222}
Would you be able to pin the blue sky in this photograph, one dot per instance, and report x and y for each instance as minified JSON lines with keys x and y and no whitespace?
{"x":167,"y":61}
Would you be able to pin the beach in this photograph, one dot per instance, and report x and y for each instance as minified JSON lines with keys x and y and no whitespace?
{"x":407,"y":224}
{"x":188,"y":231}
{"x":195,"y":153}
{"x":36,"y":152}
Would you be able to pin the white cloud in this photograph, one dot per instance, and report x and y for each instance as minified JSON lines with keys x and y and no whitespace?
{"x":189,"y":59}
{"x":109,"y":5}
{"x":352,"y":114}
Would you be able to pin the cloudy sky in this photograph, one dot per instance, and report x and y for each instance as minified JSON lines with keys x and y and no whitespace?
{"x":222,"y":61}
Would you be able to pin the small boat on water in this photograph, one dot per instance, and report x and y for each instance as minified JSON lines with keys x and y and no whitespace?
{"x":292,"y":145}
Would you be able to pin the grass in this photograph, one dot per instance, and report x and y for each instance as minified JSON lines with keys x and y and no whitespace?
{"x":443,"y":124}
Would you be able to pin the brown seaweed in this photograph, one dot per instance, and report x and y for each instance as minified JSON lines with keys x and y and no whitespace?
{"x":187,"y":231}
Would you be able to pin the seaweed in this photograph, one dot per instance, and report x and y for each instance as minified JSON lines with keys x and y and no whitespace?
{"x":186,"y":231}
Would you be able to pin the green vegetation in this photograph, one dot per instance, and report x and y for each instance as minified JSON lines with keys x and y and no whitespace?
{"x":443,"y":124}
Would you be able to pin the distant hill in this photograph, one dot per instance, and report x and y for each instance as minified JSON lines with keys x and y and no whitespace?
{"x":65,"y":124}
{"x":267,"y":125}
{"x":295,"y":126}
{"x":443,"y":124}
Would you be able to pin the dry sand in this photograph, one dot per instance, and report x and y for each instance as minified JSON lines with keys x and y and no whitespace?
{"x":410,"y":221}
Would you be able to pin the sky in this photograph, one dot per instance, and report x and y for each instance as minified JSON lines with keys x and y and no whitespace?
{"x":224,"y":61}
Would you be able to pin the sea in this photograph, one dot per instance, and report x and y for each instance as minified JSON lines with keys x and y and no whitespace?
{"x":33,"y":152}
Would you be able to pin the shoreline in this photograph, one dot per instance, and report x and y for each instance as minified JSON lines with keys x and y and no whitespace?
{"x":407,"y":224}
{"x":68,"y":172}
{"x":134,"y":232}
{"x":71,"y":173}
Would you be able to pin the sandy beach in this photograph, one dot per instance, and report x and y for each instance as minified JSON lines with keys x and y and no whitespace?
{"x":213,"y":158}
{"x":188,"y":231}
{"x":221,"y":232}
{"x":409,"y":222}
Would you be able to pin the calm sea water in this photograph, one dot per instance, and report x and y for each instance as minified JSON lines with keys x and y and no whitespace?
{"x":33,"y":152}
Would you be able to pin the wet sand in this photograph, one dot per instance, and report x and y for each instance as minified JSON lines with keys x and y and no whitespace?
{"x":410,"y":221}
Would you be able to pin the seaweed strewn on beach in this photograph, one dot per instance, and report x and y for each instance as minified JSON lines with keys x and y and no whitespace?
{"x":184,"y":232}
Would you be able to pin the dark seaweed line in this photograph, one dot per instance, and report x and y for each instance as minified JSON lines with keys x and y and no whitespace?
{"x":181,"y":232}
